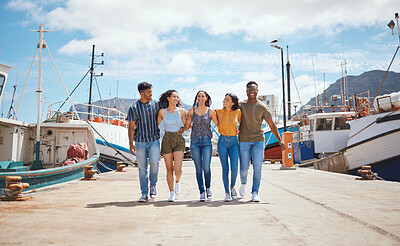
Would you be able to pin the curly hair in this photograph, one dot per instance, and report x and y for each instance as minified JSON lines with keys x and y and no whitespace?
{"x":235,"y":100}
{"x":164,"y":98}
{"x":208,"y":101}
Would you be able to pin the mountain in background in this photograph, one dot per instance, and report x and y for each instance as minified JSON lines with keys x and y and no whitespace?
{"x":122,"y":104}
{"x":368,"y":81}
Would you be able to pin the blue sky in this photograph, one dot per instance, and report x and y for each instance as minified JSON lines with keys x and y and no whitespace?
{"x":189,"y":45}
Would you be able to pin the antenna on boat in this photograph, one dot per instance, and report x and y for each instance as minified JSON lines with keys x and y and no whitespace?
{"x":37,"y":164}
{"x":92,"y":74}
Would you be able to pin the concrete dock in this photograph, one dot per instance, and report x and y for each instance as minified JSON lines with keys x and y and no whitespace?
{"x":298,"y":207}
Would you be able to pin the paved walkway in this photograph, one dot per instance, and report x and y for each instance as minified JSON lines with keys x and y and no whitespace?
{"x":298,"y":207}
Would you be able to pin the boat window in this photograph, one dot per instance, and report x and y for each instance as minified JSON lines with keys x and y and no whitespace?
{"x":312,"y":124}
{"x":324,"y":124}
{"x":2,"y":79}
{"x":341,"y":124}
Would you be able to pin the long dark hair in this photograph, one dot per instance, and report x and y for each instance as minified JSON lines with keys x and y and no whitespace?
{"x":208,"y":101}
{"x":235,"y":100}
{"x":164,"y":98}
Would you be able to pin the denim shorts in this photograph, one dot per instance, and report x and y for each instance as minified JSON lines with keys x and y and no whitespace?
{"x":172,"y":142}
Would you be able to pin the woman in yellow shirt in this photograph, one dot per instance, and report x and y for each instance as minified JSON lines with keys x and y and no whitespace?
{"x":229,"y":119}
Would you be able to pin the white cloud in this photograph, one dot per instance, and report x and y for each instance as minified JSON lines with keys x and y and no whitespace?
{"x":187,"y":79}
{"x":181,"y":63}
{"x":126,"y":27}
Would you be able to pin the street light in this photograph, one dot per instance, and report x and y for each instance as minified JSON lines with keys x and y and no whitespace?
{"x":273,"y":44}
{"x":391,"y":25}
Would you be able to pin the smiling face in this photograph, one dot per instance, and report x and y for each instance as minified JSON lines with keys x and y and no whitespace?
{"x":228,"y":103}
{"x":173,"y":99}
{"x":146,"y":94}
{"x":252,"y":91}
{"x":201,"y":98}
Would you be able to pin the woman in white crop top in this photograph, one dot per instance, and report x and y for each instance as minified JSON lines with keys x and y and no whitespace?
{"x":173,"y":144}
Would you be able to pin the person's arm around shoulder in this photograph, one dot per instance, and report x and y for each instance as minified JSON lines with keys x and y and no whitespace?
{"x":188,"y":122}
{"x":239,"y":118}
{"x":131,"y":135}
{"x":160,"y":117}
{"x":182,"y":114}
{"x":275,"y":131}
{"x":213,"y":117}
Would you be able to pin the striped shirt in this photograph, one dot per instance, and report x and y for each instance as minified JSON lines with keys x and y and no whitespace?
{"x":145,"y":116}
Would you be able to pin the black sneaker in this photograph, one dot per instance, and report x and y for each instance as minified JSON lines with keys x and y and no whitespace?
{"x":143,"y":198}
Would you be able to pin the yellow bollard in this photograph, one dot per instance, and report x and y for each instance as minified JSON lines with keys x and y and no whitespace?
{"x":120,"y":166}
{"x":89,"y":173}
{"x":13,"y":190}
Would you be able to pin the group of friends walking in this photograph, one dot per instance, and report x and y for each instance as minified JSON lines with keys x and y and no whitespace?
{"x":146,"y":115}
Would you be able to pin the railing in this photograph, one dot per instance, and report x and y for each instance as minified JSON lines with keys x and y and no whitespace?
{"x":110,"y":115}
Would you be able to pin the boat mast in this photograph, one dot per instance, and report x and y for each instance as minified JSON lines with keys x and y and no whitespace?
{"x":37,"y":164}
{"x":90,"y":89}
{"x":92,"y":74}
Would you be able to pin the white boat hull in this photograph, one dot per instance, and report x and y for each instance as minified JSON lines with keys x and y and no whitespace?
{"x":376,"y":150}
{"x":375,"y":141}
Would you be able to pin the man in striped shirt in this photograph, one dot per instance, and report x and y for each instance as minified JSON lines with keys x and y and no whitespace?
{"x":143,"y":129}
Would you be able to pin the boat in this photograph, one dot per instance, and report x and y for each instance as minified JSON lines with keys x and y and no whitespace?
{"x":272,"y":149}
{"x":18,"y":150}
{"x":110,"y":130}
{"x":108,"y":123}
{"x":36,"y":151}
{"x":326,"y":132}
{"x":375,"y":140}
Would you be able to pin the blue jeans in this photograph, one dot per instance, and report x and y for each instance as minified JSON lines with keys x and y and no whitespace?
{"x":255,"y":150}
{"x":147,"y":152}
{"x":228,"y":147}
{"x":201,"y":150}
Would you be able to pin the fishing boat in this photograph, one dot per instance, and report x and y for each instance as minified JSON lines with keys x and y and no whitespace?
{"x":375,"y":140}
{"x":110,"y":130}
{"x":108,"y":123}
{"x":18,"y":151}
{"x":37,"y":151}
{"x":374,"y":136}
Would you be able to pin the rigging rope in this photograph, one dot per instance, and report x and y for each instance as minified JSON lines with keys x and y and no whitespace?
{"x":385,"y":74}
{"x":118,"y":152}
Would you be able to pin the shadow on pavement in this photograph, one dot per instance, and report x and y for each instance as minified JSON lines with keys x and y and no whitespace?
{"x":164,"y":203}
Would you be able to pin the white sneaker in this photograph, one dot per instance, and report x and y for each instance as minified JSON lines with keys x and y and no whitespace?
{"x":153,"y":191}
{"x":177,"y":188}
{"x":209,"y":194}
{"x":171,"y":196}
{"x":227,"y":198}
{"x":242,"y":190}
{"x":233,"y":193}
{"x":202,"y":197}
{"x":254,"y":197}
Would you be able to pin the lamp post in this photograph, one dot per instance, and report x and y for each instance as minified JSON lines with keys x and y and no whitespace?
{"x":283,"y":83}
{"x":391,"y":25}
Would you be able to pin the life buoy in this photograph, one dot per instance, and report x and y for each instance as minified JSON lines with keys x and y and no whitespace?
{"x":363,"y":106}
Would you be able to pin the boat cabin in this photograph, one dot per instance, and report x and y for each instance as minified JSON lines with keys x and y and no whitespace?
{"x":330,"y":131}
